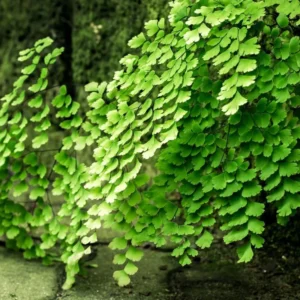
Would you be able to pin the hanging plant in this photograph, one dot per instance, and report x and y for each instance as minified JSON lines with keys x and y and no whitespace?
{"x":216,"y":88}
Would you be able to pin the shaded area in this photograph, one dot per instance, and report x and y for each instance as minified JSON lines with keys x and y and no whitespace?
{"x":94,"y":33}
{"x":216,"y":276}
{"x":149,"y":283}
{"x":213,"y":276}
{"x":36,"y":282}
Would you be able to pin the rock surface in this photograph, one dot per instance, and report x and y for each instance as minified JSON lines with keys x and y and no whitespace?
{"x":25,"y":280}
{"x":150,"y":282}
{"x":214,"y":276}
{"x":30,"y":280}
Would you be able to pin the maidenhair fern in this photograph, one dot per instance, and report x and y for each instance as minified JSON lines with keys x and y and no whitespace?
{"x":27,"y":113}
{"x":216,"y":87}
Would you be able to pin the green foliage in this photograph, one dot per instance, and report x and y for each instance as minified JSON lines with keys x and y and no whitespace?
{"x":216,"y":89}
{"x":26,"y":112}
{"x":104,"y":29}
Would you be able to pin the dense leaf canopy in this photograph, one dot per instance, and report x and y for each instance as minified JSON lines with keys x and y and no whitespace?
{"x":215,"y":87}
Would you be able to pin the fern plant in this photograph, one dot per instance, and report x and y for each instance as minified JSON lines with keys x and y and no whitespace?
{"x":28,"y":183}
{"x":217,"y":88}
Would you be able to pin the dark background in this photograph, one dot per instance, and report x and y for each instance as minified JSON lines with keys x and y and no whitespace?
{"x":94,"y":33}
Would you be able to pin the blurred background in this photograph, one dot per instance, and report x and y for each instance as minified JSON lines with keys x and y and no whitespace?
{"x":94,"y":33}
